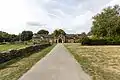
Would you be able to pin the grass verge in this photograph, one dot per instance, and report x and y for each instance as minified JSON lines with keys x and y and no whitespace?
{"x":15,"y":68}
{"x":100,"y":62}
{"x":6,"y":47}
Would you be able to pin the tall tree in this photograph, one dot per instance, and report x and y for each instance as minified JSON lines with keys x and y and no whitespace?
{"x":14,"y":38}
{"x":58,"y":32}
{"x":61,"y":32}
{"x":107,"y":23}
{"x":43,"y":32}
{"x":4,"y":37}
{"x":26,"y":35}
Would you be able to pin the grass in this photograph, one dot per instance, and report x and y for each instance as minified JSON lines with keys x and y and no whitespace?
{"x":100,"y":62}
{"x":6,"y":47}
{"x":15,"y":68}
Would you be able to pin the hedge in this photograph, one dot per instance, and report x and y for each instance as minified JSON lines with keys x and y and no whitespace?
{"x":99,"y":42}
{"x":8,"y":55}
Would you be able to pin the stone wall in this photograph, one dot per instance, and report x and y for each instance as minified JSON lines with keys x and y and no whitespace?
{"x":11,"y":54}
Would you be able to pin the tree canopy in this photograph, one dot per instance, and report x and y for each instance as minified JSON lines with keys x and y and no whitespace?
{"x":107,"y":23}
{"x":58,"y":32}
{"x":26,"y":35}
{"x":5,"y":37}
{"x":43,"y":32}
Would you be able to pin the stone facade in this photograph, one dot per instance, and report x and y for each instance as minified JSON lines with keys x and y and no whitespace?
{"x":38,"y":38}
{"x":68,"y":38}
{"x":60,"y":39}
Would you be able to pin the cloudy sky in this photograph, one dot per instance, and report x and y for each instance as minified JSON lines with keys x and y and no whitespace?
{"x":74,"y":16}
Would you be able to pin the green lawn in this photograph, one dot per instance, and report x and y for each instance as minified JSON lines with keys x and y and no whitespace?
{"x":15,"y":68}
{"x":6,"y":47}
{"x":100,"y":62}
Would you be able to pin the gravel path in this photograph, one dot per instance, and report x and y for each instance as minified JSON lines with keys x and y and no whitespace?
{"x":59,"y":64}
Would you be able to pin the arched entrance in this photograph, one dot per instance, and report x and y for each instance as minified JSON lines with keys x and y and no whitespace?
{"x":60,"y":40}
{"x":56,"y":41}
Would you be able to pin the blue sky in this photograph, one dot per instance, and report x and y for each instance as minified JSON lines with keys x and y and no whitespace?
{"x":74,"y":16}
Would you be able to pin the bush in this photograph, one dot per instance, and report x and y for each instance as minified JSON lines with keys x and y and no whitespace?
{"x":85,"y":41}
{"x":94,"y":42}
{"x":113,"y":41}
{"x":107,"y":41}
{"x":8,"y":55}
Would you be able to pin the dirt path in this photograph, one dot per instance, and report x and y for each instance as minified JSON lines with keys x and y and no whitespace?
{"x":59,"y":64}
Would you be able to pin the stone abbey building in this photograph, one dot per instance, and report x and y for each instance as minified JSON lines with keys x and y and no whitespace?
{"x":68,"y":38}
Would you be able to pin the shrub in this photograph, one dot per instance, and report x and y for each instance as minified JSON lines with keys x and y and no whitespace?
{"x":113,"y":41}
{"x":107,"y":41}
{"x":85,"y":41}
{"x":94,"y":42}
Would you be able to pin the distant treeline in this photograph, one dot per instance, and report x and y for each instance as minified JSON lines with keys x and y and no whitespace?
{"x":24,"y":36}
{"x":27,"y":35}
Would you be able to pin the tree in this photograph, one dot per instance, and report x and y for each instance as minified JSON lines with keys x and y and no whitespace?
{"x":89,"y":33}
{"x":14,"y":37}
{"x":43,"y":32}
{"x":1,"y":37}
{"x":4,"y":37}
{"x":58,"y":32}
{"x":26,"y":35}
{"x":62,"y":32}
{"x":107,"y":23}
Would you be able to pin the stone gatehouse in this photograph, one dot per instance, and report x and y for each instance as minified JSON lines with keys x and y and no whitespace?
{"x":68,"y":38}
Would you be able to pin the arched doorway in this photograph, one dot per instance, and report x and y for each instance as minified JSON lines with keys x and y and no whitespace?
{"x":56,"y":41}
{"x":60,"y":40}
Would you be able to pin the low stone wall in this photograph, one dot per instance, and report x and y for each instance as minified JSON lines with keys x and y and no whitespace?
{"x":11,"y":54}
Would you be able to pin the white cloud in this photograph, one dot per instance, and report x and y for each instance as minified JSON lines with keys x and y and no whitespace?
{"x":13,"y":15}
{"x":114,"y":2}
{"x":72,"y":15}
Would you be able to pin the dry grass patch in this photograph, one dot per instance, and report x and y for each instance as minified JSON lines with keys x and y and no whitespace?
{"x":101,"y":62}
